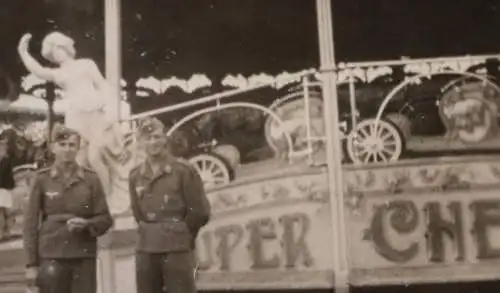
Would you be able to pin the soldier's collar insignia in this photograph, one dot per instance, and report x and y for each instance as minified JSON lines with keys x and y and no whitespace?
{"x":147,"y":169}
{"x":139,"y":189}
{"x":79,"y":172}
{"x":55,"y":171}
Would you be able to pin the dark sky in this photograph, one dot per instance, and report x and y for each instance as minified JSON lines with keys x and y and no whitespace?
{"x":180,"y":37}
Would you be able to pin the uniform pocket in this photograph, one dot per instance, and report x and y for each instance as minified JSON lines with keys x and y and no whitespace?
{"x":81,"y":198}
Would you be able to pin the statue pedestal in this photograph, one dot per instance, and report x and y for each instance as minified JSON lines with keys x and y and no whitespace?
{"x":106,"y":267}
{"x":116,"y":258}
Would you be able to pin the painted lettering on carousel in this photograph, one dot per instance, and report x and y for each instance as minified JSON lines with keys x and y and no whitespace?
{"x":216,"y":247}
{"x":443,"y":222}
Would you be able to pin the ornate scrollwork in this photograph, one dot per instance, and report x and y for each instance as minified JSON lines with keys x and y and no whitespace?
{"x":429,"y":176}
{"x":453,"y":181}
{"x":365,"y":179}
{"x":223,"y":201}
{"x":399,"y":182}
{"x":353,"y":200}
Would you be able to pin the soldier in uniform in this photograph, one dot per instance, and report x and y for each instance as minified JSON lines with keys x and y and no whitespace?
{"x":66,"y":212}
{"x":170,"y":206}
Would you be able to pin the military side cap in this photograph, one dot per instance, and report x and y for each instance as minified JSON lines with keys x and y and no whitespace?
{"x":60,"y":132}
{"x":149,"y":125}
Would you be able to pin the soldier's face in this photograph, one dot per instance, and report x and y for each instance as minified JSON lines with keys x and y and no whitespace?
{"x":66,"y":150}
{"x":155,"y":142}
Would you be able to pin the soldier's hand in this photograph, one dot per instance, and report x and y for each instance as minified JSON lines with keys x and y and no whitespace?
{"x":77,"y":224}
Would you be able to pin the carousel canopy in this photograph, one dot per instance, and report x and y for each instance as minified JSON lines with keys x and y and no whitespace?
{"x":32,"y":103}
{"x":198,"y":81}
{"x":364,"y":74}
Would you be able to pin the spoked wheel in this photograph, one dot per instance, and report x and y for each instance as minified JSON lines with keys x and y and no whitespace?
{"x":371,"y":143}
{"x":212,"y":168}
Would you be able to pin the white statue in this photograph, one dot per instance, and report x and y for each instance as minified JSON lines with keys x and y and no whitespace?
{"x":90,"y":108}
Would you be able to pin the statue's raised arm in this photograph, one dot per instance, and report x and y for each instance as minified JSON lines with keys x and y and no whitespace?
{"x":31,"y":63}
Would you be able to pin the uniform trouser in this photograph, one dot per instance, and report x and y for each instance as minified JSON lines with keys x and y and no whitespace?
{"x":67,"y":276}
{"x":166,"y":272}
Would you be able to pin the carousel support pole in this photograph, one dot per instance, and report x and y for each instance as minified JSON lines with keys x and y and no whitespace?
{"x":50,"y":97}
{"x":113,"y":50}
{"x":106,"y":259}
{"x":329,"y":79}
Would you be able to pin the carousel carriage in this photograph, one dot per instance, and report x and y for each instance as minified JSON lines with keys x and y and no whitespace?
{"x":381,"y":121}
{"x":216,"y":139}
{"x":425,"y":116}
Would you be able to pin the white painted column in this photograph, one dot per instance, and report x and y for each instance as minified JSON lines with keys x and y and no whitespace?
{"x":112,"y":34}
{"x":113,"y":49}
{"x":334,"y":149}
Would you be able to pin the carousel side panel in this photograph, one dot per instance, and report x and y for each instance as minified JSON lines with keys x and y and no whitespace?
{"x":424,"y":221}
{"x":271,"y":233}
{"x":267,"y":233}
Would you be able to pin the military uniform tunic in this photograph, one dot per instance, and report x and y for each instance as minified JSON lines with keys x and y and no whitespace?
{"x":170,"y":207}
{"x":49,"y":243}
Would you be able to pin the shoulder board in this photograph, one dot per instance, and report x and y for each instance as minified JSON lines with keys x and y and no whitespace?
{"x":135,"y":169}
{"x":185,"y":163}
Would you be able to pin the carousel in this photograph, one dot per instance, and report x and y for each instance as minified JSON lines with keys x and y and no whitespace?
{"x":317,"y":179}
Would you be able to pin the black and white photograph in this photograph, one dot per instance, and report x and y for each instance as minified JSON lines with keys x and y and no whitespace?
{"x":213,"y":146}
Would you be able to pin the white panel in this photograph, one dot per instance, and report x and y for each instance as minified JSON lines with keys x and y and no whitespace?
{"x":125,"y":274}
